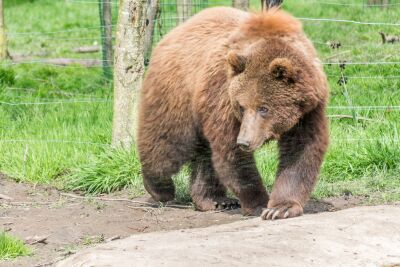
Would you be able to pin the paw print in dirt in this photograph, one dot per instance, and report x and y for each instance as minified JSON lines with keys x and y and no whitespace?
{"x":288,"y":209}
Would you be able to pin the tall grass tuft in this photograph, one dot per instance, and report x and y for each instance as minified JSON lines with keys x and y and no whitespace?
{"x":106,"y":172}
{"x":10,"y":247}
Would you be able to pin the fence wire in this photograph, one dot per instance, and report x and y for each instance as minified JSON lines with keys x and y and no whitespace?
{"x":353,"y":4}
{"x":61,"y":102}
{"x":175,"y":12}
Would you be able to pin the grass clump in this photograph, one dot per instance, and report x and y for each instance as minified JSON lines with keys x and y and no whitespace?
{"x":10,"y":247}
{"x":106,"y":172}
{"x":7,"y":77}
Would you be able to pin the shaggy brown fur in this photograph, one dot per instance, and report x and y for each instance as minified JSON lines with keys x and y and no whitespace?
{"x":218,"y":87}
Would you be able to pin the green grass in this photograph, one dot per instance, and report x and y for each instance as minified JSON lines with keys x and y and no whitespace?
{"x":108,"y":171}
{"x":68,"y":143}
{"x":10,"y":247}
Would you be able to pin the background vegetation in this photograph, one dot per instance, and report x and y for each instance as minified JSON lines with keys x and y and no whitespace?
{"x":66,"y":143}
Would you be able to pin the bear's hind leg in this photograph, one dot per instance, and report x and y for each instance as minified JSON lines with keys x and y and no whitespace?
{"x":159,"y":164}
{"x":206,"y":190}
{"x":165,"y":143}
{"x":161,"y":188}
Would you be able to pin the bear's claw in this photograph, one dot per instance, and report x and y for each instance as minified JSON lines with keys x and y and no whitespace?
{"x":282,"y":211}
{"x":272,"y":214}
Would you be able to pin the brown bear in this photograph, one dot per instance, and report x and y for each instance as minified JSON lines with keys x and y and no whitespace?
{"x":218,"y":87}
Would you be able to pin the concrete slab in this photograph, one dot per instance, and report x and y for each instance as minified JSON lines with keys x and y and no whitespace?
{"x":362,"y":236}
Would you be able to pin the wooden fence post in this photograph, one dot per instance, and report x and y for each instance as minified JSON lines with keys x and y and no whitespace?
{"x":128,"y":70}
{"x":241,"y":4}
{"x":106,"y":36}
{"x":3,"y":37}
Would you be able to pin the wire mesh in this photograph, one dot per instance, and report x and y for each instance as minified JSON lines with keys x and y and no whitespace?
{"x":174,"y":12}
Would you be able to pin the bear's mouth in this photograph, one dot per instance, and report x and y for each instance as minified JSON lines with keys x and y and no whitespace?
{"x":250,"y":147}
{"x":246,"y":148}
{"x":272,"y":137}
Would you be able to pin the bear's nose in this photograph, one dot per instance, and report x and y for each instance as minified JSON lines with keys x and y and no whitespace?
{"x":243,"y":143}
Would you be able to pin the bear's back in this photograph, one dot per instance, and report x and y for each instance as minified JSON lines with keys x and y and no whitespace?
{"x":192,"y":57}
{"x":195,"y":45}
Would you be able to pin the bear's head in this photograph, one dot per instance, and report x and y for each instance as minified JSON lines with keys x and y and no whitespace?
{"x":272,"y":85}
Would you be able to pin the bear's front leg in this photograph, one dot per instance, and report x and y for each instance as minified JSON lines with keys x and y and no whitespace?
{"x":301,"y":152}
{"x":237,"y":170}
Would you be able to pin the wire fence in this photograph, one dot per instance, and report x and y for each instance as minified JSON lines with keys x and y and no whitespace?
{"x":363,"y":4}
{"x":350,"y":21}
{"x":172,"y":13}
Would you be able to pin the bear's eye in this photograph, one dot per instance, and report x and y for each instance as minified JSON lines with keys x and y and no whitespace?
{"x":263,"y":111}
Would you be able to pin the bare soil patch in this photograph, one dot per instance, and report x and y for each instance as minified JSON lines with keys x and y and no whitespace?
{"x":59,"y":225}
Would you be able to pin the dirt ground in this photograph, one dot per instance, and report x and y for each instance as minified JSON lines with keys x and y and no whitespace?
{"x":57,"y":224}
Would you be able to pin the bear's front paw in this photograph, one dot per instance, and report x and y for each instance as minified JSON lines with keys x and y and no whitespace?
{"x":287,"y":209}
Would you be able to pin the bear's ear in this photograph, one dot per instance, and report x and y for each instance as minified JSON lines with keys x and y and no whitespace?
{"x":237,"y":63}
{"x":282,"y":69}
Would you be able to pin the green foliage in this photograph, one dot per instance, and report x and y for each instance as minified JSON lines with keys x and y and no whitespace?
{"x":41,"y":142}
{"x":10,"y":247}
{"x":7,"y":77}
